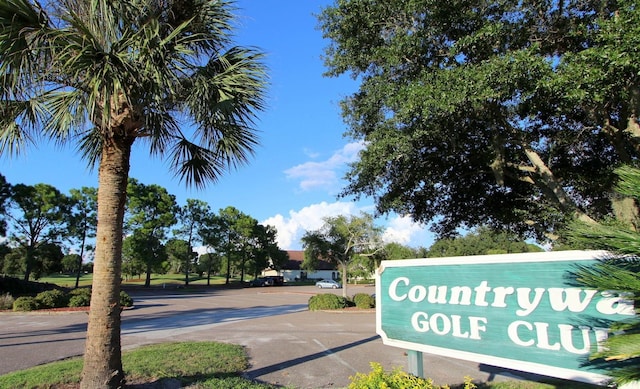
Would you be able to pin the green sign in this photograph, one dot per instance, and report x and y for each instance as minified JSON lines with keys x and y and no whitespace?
{"x":519,"y":311}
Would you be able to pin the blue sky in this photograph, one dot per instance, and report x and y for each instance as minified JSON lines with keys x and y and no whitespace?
{"x":296,"y":173}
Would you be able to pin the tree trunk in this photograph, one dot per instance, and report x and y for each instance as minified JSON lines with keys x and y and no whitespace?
{"x":28,"y":268}
{"x":552,"y":187}
{"x":344,"y":278}
{"x":244,"y":259}
{"x":84,"y":238}
{"x":186,"y":272}
{"x":147,"y":281}
{"x":102,"y":359}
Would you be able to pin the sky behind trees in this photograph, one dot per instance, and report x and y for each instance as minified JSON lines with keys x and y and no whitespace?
{"x":293,"y":180}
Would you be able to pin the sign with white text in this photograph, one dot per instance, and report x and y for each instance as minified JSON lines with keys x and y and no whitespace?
{"x":519,"y":311}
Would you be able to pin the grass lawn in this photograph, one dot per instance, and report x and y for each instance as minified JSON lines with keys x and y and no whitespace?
{"x":169,"y":280}
{"x":201,"y":365}
{"x":69,"y":280}
{"x":175,"y":279}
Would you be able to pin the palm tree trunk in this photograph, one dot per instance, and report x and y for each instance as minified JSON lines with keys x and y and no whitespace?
{"x":102,"y":359}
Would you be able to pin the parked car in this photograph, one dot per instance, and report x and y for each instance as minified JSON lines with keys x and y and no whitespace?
{"x":261,"y":281}
{"x":328,"y":284}
{"x":267,"y":281}
{"x":276,"y":280}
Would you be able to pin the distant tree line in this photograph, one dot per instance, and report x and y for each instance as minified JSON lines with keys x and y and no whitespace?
{"x":46,"y":231}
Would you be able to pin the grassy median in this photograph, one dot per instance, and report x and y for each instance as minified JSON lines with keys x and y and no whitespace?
{"x":202,"y":364}
{"x":199,"y":365}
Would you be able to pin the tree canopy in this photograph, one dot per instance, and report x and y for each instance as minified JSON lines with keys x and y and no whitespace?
{"x":341,"y":240}
{"x":509,"y":114}
{"x":38,"y":219}
{"x":482,"y":241}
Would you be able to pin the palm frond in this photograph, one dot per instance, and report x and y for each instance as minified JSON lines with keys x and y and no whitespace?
{"x":209,"y":23}
{"x":13,"y":139}
{"x":23,"y":54}
{"x":621,"y":347}
{"x":620,"y":352}
{"x":615,"y":238}
{"x":19,"y":121}
{"x":230,"y":86}
{"x":618,"y":274}
{"x":131,"y":68}
{"x":629,"y":181}
{"x":195,"y":165}
{"x":160,"y":128}
{"x":67,"y":114}
{"x":90,"y":146}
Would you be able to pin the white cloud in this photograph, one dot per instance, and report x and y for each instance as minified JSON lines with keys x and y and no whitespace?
{"x":292,"y":227}
{"x":324,"y":174}
{"x":403,"y":230}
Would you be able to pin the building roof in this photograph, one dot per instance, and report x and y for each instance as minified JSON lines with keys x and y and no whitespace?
{"x":295,"y":261}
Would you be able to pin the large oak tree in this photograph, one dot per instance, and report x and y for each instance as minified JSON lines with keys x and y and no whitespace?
{"x":510,"y":114}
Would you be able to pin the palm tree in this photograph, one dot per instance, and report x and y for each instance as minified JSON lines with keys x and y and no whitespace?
{"x":105,"y":74}
{"x":619,"y":272}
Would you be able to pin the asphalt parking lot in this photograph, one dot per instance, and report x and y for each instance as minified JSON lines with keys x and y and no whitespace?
{"x":287,"y":344}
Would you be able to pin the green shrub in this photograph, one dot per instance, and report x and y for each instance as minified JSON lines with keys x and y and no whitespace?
{"x":327,"y":301}
{"x":52,"y":299}
{"x":364,"y":300}
{"x":79,"y":301}
{"x":397,"y":379}
{"x":80,"y":292}
{"x":6,"y":301}
{"x":80,"y":297}
{"x":125,"y":299}
{"x":25,"y":304}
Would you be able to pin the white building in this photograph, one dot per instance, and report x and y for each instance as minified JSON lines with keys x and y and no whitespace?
{"x":291,"y":271}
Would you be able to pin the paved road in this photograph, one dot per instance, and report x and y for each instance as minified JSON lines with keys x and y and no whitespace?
{"x":287,"y":344}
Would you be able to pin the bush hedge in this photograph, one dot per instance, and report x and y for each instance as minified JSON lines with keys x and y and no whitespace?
{"x":59,"y":299}
{"x":327,"y":301}
{"x":364,"y":300}
{"x":52,"y":299}
{"x":80,"y":297}
{"x":25,"y":303}
{"x":125,"y":299}
{"x":397,"y":379}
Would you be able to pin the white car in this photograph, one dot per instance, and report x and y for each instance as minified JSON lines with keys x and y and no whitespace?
{"x":328,"y":284}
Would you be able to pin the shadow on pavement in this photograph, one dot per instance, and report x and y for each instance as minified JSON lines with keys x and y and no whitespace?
{"x":255,"y":374}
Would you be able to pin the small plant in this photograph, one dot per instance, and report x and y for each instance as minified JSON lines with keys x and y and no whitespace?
{"x":397,"y":379}
{"x":6,"y":301}
{"x":25,"y":304}
{"x":80,"y":297}
{"x":327,"y":301}
{"x":125,"y":299}
{"x":364,"y":300}
{"x":52,"y":299}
